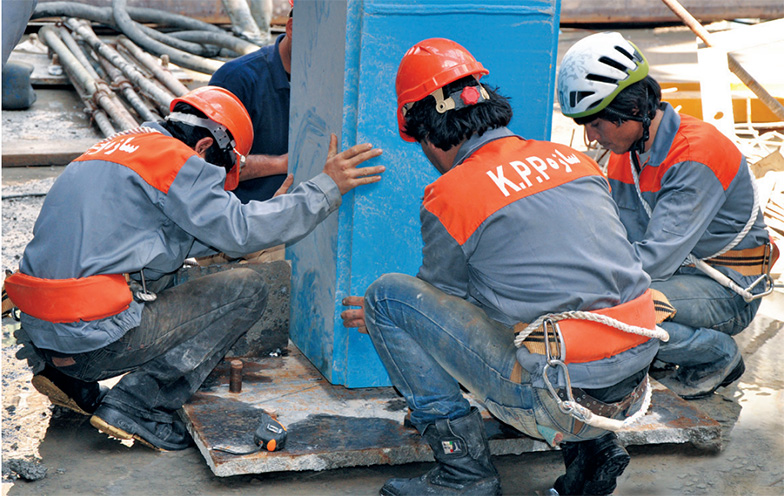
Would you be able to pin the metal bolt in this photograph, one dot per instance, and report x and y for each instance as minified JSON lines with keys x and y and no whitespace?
{"x":235,"y":379}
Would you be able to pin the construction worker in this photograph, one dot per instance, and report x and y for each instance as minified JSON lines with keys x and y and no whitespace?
{"x":261,"y":81}
{"x":514,"y":230}
{"x":687,"y":200}
{"x":134,"y":207}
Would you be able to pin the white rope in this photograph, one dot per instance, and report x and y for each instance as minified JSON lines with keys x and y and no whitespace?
{"x":657,"y":333}
{"x":698,"y":262}
{"x":609,"y":424}
{"x":575,"y":409}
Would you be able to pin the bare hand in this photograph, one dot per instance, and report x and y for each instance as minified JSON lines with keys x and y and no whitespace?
{"x":342,"y":167}
{"x":354,"y":317}
{"x":284,"y":188}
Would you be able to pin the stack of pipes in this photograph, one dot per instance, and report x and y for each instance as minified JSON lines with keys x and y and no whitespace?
{"x":121,"y":82}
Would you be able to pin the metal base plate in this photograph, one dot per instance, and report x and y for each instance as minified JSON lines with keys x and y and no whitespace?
{"x":332,"y":426}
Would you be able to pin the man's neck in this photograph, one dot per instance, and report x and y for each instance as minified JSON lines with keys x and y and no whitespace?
{"x":284,"y":48}
{"x":654,"y":127}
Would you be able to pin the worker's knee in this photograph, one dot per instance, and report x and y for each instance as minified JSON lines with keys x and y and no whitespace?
{"x":250,"y":286}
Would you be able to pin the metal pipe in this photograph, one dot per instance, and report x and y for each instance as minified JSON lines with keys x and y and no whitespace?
{"x":135,"y":101}
{"x":183,"y":59}
{"x":76,"y":50}
{"x":94,"y":90}
{"x":261,"y":10}
{"x":164,"y":76}
{"x":161,"y":97}
{"x":747,"y":79}
{"x":242,"y":23}
{"x":105,"y":16}
{"x":177,"y":43}
{"x":224,"y":40}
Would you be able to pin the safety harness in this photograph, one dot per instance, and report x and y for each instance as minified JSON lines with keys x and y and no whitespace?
{"x":606,"y":332}
{"x":763,"y":256}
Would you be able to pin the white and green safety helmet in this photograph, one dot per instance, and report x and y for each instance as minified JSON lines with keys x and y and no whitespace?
{"x":594,"y":70}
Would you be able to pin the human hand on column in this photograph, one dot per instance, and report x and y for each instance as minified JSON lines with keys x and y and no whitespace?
{"x":354,"y":317}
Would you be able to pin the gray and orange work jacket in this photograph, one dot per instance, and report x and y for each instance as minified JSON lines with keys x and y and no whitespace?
{"x":139,"y":201}
{"x":699,"y":189}
{"x":524,"y":228}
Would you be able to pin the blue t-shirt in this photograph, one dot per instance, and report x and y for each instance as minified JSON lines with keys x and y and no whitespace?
{"x":262,"y":85}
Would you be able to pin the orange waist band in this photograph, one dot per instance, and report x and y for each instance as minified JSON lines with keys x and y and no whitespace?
{"x":588,"y":341}
{"x":69,"y":300}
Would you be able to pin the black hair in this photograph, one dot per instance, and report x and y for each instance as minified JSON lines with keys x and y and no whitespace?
{"x":423,"y":122}
{"x":632,"y":103}
{"x":190,"y":135}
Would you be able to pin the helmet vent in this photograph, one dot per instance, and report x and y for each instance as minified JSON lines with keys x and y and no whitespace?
{"x":601,"y":79}
{"x":613,"y":63}
{"x":625,"y":52}
{"x":576,"y":97}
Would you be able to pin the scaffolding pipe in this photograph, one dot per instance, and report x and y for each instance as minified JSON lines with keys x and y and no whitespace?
{"x":77,"y":51}
{"x":183,"y":59}
{"x":120,"y":82}
{"x":151,"y":63}
{"x":79,"y":75}
{"x":161,"y":97}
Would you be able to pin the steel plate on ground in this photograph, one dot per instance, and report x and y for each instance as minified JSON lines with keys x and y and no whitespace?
{"x":333,"y":426}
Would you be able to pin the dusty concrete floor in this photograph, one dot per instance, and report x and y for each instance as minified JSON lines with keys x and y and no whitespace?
{"x":79,"y":460}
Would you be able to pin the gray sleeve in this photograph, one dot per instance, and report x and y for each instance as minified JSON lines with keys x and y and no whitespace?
{"x":197,"y":202}
{"x":444,"y":264}
{"x":688,"y":200}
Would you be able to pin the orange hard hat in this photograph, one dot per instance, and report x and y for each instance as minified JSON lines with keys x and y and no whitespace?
{"x":223,"y":108}
{"x":427,"y":66}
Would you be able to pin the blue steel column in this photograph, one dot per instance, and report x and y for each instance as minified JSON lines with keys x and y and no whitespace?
{"x":345,"y":59}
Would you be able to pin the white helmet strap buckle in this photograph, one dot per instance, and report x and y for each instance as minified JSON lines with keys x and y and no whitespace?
{"x":464,"y":97}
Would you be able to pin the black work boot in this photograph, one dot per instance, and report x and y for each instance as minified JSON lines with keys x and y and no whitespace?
{"x":464,"y":467}
{"x":592,"y":467}
{"x":66,"y":391}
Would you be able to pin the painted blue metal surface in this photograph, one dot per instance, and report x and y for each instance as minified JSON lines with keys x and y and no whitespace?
{"x":345,"y":58}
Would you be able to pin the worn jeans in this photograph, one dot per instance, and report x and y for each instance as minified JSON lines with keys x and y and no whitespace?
{"x":708,"y":315}
{"x":431,"y":343}
{"x":182,"y":336}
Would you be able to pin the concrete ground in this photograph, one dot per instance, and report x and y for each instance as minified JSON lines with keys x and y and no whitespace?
{"x":80,"y":460}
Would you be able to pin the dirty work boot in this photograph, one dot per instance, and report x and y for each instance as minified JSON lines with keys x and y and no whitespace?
{"x":156,"y":435}
{"x":695,"y":382}
{"x":463,"y":456}
{"x":592,"y":467}
{"x":66,"y":391}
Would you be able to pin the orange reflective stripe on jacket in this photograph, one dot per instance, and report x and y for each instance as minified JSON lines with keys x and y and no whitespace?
{"x":587,"y":341}
{"x":69,"y":300}
{"x":157,"y":158}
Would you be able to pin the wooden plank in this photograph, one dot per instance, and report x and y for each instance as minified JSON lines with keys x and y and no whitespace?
{"x":51,"y":152}
{"x":715,"y":90}
{"x":745,"y":37}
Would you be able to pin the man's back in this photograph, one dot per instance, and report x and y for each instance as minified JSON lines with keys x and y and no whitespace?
{"x":516,"y":212}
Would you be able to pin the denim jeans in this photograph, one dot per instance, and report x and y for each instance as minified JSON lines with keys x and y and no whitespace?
{"x":431,"y":343}
{"x":182,"y":336}
{"x":708,"y":315}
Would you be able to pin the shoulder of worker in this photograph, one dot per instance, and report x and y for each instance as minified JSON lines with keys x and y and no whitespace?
{"x":150,"y":151}
{"x":247,"y":65}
